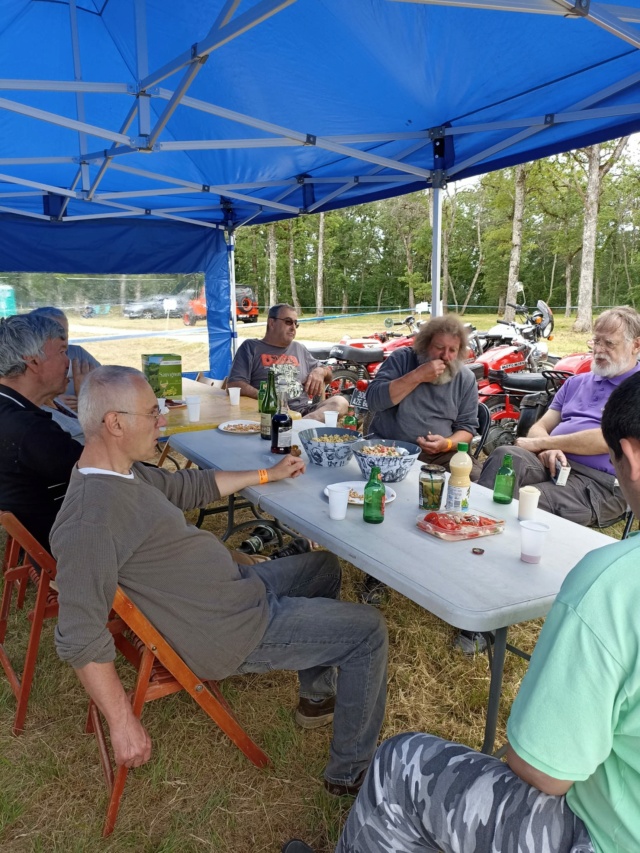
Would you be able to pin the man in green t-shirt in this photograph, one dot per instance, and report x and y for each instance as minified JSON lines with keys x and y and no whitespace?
{"x":572,"y":777}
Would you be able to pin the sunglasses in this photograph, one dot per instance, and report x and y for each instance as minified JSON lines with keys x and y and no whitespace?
{"x":288,"y":321}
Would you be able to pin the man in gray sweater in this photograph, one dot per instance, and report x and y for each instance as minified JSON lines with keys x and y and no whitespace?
{"x":123,"y":523}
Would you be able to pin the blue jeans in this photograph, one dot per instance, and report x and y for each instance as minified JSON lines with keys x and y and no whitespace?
{"x":426,"y":794}
{"x":336,"y":647}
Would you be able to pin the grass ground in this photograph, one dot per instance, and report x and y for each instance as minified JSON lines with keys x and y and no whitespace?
{"x":199,"y":793}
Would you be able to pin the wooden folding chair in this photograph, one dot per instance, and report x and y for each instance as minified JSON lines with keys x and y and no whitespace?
{"x":161,"y":672}
{"x":22,"y":558}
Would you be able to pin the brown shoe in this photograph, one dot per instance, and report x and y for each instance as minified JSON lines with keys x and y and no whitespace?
{"x":314,"y":715}
{"x":345,"y":789}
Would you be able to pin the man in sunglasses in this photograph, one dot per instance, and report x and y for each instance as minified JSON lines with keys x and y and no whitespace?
{"x":305,"y":377}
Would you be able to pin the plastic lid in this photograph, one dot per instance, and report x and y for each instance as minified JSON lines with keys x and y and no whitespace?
{"x":463,"y":447}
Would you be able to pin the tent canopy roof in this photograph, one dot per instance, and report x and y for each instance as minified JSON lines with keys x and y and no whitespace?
{"x":224,"y":113}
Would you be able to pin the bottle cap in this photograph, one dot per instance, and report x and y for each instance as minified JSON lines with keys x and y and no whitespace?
{"x":463,"y":447}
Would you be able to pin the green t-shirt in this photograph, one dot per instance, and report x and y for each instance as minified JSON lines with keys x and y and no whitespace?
{"x":577,"y":715}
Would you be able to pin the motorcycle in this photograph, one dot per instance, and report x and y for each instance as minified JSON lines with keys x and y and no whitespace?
{"x":537,"y":327}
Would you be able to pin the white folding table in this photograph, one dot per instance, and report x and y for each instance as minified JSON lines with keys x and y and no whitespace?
{"x":479,"y":593}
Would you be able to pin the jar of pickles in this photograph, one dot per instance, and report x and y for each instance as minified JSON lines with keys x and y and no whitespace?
{"x":431,"y":487}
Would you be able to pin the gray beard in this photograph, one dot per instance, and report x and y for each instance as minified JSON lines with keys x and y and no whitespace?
{"x":612,"y":368}
{"x":451,"y":370}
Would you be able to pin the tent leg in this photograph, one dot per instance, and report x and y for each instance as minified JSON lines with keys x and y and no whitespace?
{"x":436,"y":254}
{"x":231,"y":250}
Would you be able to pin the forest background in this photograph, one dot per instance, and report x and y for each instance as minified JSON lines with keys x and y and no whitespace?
{"x":567,"y":227}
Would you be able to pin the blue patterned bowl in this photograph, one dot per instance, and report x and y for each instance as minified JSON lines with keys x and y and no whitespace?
{"x":392,"y":468}
{"x":329,"y":454}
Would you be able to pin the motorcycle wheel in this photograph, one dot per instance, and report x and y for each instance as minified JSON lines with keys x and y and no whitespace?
{"x":500,"y":432}
{"x":342,"y":382}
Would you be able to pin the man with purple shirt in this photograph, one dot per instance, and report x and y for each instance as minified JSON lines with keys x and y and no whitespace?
{"x":569,"y":432}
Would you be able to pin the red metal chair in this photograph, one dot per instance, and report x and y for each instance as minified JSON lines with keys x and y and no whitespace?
{"x":161,"y":672}
{"x":21,"y":557}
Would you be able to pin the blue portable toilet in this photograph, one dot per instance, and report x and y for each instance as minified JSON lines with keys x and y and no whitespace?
{"x":7,"y":301}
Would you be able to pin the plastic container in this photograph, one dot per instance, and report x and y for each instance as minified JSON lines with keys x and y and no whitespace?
{"x":459,"y":485}
{"x":457,"y":526}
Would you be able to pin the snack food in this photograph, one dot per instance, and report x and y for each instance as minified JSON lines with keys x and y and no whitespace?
{"x":454,"y":526}
{"x":295,"y":450}
{"x":383,"y":450}
{"x":248,"y":427}
{"x":334,"y":439}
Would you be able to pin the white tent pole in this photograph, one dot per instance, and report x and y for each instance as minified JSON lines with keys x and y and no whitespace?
{"x":231,"y":249}
{"x":436,"y":252}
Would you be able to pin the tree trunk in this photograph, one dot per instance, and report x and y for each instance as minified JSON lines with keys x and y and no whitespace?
{"x":320,"y":280}
{"x":516,"y":241}
{"x":345,"y":301}
{"x":254,"y":264}
{"x":292,"y":273}
{"x":553,"y":276}
{"x":479,"y":266}
{"x":273,"y":258}
{"x":584,"y":319}
{"x":568,"y":269}
{"x":123,"y":289}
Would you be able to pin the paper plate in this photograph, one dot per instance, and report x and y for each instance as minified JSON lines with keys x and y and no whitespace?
{"x":356,"y":489}
{"x":240,"y":427}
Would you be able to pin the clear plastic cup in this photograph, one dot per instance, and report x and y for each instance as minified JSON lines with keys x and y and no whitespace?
{"x":331,"y":419}
{"x":532,"y":539}
{"x":193,"y":408}
{"x":338,"y":501}
{"x":234,"y":396}
{"x":528,"y":503}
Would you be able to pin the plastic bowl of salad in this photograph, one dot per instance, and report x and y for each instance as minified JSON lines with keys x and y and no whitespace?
{"x":394,"y":458}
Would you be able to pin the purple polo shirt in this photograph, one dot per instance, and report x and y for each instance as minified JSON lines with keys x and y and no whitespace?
{"x":580,"y":402}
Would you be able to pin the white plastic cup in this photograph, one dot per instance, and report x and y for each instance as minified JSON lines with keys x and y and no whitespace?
{"x":234,"y":396}
{"x":532,"y":539}
{"x":528,"y":503}
{"x":338,"y":501}
{"x":331,"y":419}
{"x":193,"y":408}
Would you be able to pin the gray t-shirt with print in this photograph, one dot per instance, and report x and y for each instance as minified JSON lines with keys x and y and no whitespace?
{"x":292,"y":363}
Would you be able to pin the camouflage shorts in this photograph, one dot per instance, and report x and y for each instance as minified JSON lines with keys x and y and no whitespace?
{"x":426,"y":794}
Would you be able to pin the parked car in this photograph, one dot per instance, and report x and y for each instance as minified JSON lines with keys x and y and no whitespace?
{"x":153,"y":307}
{"x":246,"y":307}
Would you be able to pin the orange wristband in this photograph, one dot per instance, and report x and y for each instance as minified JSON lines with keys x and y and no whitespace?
{"x":449,"y":445}
{"x":263,"y":476}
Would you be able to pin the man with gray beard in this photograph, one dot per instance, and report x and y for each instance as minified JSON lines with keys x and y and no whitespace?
{"x":425,"y":394}
{"x":569,"y":432}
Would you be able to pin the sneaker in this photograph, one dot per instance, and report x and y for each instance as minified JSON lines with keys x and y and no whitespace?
{"x":296,"y":846}
{"x":372,"y":591}
{"x":471,"y":642}
{"x":314,"y":715}
{"x":345,"y":789}
{"x":296,"y":546}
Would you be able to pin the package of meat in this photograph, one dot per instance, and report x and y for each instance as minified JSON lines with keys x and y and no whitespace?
{"x":456,"y":526}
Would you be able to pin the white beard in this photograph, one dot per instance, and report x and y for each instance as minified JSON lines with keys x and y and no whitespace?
{"x":611,"y":368}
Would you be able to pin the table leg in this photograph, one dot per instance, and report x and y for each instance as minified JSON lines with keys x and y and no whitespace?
{"x":495,"y":690}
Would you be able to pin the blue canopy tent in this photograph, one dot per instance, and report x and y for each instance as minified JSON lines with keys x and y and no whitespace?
{"x":135,"y":133}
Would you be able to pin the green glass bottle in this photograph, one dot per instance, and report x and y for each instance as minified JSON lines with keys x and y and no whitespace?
{"x":350,"y":420}
{"x":261,"y":392}
{"x":505,"y":481}
{"x":269,"y":406}
{"x":374,"y":498}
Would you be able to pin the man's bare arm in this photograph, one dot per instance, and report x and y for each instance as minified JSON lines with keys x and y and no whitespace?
{"x":229,"y":482}
{"x":129,"y":738}
{"x":246,"y":390}
{"x":529,"y":774}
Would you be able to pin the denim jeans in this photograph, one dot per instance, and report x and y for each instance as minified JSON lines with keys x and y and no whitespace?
{"x":426,"y":794}
{"x":336,"y":647}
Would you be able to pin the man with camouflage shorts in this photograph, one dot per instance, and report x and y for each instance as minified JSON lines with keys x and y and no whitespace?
{"x":571,"y":783}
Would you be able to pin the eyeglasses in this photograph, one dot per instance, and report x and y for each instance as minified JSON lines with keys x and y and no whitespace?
{"x":288,"y":321}
{"x":156,"y":414}
{"x":604,"y":343}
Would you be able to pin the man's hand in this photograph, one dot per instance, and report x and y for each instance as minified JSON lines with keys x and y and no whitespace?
{"x":549,"y":458}
{"x":430,"y":370}
{"x":314,"y":386}
{"x":131,"y":743}
{"x":289,"y":467}
{"x":433,"y":443}
{"x":79,"y":369}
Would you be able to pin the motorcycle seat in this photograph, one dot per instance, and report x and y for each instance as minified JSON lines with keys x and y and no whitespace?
{"x":321,"y":353}
{"x":357,"y":355}
{"x":529,"y":383}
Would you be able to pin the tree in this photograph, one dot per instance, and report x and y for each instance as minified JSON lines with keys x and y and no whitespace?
{"x":320,"y":277}
{"x":273,"y":260}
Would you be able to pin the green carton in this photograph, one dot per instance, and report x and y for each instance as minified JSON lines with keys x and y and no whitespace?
{"x":164,"y":374}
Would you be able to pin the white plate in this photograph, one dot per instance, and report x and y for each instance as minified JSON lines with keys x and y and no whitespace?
{"x":358,"y":486}
{"x":228,"y":426}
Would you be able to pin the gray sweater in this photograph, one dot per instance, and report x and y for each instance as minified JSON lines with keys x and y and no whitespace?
{"x":111,"y":530}
{"x":440,"y":409}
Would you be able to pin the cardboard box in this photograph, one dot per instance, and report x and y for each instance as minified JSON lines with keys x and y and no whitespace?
{"x":562,"y":474}
{"x":164,"y":374}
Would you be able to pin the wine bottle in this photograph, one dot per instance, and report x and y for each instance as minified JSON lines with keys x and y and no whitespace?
{"x":269,"y":406}
{"x":281,"y":424}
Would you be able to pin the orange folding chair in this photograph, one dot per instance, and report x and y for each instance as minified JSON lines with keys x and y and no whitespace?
{"x":161,"y":672}
{"x":21,"y":557}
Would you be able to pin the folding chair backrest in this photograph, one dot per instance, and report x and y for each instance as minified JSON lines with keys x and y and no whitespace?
{"x":161,"y":671}
{"x":24,"y":560}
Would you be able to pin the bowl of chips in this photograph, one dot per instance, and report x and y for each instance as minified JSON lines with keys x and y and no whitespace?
{"x":329,"y":447}
{"x":393,"y":458}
